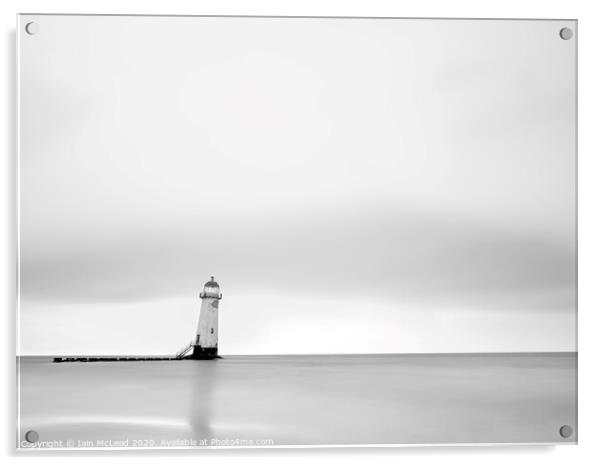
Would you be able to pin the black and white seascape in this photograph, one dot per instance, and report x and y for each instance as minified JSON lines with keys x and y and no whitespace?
{"x":270,"y":232}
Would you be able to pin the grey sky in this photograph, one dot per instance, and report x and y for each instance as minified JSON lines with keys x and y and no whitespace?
{"x":354,"y":185}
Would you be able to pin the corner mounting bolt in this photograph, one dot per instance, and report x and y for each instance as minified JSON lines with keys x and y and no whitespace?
{"x":32,"y":436}
{"x":32,"y":28}
{"x":566,"y":431}
{"x":566,"y":33}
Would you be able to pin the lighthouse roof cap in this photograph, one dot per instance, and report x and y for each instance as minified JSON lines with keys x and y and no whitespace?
{"x":211,"y":283}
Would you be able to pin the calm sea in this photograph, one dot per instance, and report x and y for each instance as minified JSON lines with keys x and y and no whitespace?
{"x":300,"y":400}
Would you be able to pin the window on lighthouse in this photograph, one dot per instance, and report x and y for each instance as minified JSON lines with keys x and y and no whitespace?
{"x":211,"y":330}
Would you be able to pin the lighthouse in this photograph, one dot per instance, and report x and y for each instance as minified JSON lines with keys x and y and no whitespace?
{"x":205,"y":342}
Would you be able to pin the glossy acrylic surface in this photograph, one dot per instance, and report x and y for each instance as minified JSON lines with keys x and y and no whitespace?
{"x":356,"y":185}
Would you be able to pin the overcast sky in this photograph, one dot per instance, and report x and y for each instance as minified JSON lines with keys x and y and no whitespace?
{"x":353,"y":185}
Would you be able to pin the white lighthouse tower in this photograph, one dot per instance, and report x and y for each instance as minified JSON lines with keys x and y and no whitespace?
{"x":205,"y":342}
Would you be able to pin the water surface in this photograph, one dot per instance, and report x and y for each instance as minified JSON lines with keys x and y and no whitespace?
{"x":301,"y":400}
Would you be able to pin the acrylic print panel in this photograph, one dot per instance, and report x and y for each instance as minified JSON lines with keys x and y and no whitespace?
{"x":253,"y":231}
